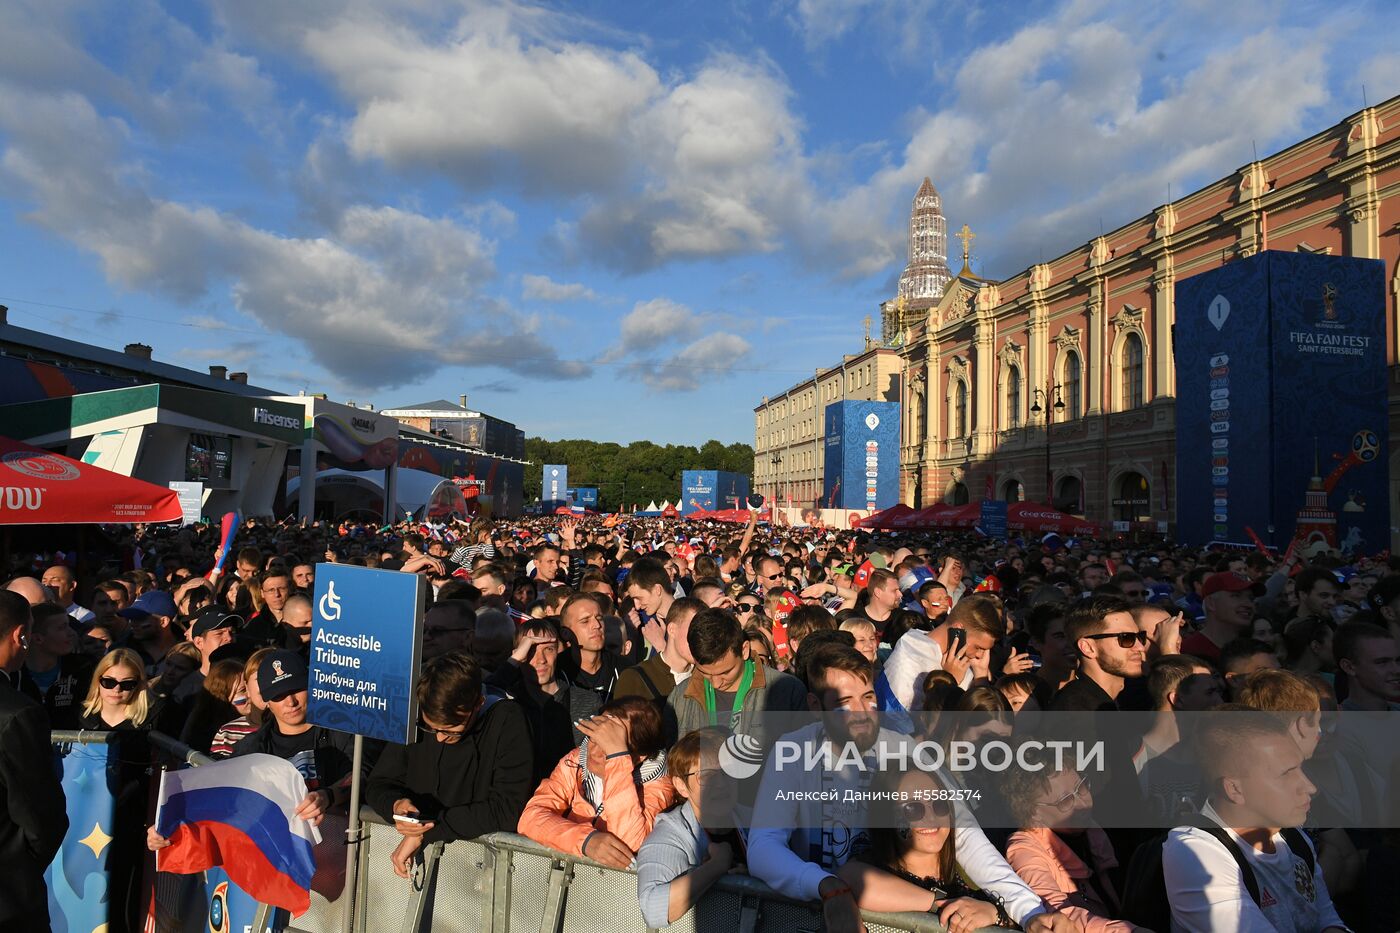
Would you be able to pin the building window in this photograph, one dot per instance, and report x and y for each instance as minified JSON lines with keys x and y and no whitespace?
{"x":1013,"y":491}
{"x":960,"y":411}
{"x":1073,"y":387}
{"x":1069,"y":495}
{"x":1013,"y":398}
{"x":1132,"y":372}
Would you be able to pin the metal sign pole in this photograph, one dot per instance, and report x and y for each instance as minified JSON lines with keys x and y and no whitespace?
{"x":352,"y":841}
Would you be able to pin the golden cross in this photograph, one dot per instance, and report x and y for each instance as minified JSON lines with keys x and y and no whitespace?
{"x":867,"y":331}
{"x":967,"y":236}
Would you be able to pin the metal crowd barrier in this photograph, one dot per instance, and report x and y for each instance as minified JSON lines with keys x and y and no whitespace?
{"x":506,"y":883}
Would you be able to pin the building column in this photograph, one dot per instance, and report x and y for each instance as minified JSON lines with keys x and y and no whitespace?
{"x":1163,"y":316}
{"x":983,"y":388}
{"x":1095,"y":358}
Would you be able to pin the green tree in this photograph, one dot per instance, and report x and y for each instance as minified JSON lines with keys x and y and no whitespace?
{"x":635,"y":474}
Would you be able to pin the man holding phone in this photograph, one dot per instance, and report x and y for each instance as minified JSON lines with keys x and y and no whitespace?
{"x":961,"y":645}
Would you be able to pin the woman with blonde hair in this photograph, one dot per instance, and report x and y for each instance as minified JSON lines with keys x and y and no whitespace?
{"x":118,"y":696}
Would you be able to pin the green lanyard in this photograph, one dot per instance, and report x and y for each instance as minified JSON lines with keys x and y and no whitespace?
{"x":745,"y":683}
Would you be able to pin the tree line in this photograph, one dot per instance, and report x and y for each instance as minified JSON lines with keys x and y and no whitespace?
{"x":632,"y":474}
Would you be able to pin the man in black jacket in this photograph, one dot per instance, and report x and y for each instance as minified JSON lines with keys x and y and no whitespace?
{"x":469,"y":774}
{"x":52,"y":674}
{"x":33,"y":818}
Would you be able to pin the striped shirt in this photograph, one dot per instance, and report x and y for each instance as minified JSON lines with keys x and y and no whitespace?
{"x":464,"y":555}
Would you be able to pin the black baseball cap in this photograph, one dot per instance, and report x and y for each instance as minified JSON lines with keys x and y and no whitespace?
{"x":281,"y":673}
{"x":210,"y":618}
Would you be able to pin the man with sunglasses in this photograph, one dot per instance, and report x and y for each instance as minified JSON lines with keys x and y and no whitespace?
{"x":469,"y":773}
{"x":1111,"y":650}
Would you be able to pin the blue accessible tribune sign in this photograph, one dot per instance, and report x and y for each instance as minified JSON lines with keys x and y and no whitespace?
{"x":366,"y":644}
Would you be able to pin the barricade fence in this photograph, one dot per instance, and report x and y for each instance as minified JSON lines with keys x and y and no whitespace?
{"x":502,"y":883}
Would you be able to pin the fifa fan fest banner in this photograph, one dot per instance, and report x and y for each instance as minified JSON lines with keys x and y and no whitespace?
{"x":712,"y":491}
{"x":77,"y":877}
{"x":554,"y":493}
{"x":1281,"y":403}
{"x":862,"y":455}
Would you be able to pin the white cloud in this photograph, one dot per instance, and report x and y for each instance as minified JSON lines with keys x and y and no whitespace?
{"x":705,"y":362}
{"x":543,"y":288}
{"x":383,"y":299}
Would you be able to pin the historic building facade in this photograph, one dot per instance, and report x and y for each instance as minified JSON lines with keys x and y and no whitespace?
{"x":789,"y":429}
{"x":1057,"y":383}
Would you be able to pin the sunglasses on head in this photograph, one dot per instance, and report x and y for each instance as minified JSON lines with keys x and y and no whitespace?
{"x":111,"y":683}
{"x":911,"y":811}
{"x":1125,"y":639}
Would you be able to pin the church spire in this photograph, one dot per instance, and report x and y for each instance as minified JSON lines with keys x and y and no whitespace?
{"x":927,"y":274}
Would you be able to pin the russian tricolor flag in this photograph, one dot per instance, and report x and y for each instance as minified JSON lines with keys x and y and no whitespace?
{"x":239,"y":814}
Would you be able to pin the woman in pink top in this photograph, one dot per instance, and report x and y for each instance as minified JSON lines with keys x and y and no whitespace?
{"x":1061,"y":853}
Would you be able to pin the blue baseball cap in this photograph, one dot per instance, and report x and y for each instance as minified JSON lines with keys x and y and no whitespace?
{"x":154,"y":603}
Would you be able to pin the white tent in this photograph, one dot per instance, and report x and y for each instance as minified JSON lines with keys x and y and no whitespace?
{"x":666,"y":505}
{"x":652,"y":507}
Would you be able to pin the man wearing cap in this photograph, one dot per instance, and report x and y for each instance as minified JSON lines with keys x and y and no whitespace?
{"x":152,"y":618}
{"x":1228,"y":601}
{"x":323,"y":756}
{"x":211,"y":629}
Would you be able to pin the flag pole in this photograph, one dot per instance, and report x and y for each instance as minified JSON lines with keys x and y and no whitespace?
{"x":352,"y":840}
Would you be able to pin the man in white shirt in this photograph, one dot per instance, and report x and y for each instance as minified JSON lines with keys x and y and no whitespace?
{"x":1259,"y":794}
{"x":806,"y":826}
{"x":979,"y":624}
{"x":60,"y":579}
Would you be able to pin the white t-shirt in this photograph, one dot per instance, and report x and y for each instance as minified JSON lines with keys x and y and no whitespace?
{"x":1207,"y":893}
{"x":913,"y":657}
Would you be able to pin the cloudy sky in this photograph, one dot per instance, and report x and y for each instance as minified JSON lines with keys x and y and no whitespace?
{"x":605,"y":220}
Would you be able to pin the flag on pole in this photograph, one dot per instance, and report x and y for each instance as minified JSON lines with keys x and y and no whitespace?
{"x":239,"y":814}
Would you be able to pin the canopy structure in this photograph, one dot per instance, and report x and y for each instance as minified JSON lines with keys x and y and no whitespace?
{"x":42,"y":488}
{"x":737,"y":516}
{"x":883,"y":519}
{"x":1029,"y":516}
{"x":961,"y":516}
{"x":421,"y":494}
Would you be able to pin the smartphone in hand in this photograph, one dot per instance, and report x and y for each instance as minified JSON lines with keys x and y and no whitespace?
{"x":414,"y":818}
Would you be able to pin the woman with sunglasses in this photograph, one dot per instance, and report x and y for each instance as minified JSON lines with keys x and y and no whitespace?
{"x":912,"y":861}
{"x":120,"y":701}
{"x":118,"y":697}
{"x":1060,"y":851}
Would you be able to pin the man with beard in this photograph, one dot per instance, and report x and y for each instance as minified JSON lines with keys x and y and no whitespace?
{"x":1111,"y":649}
{"x":152,"y":618}
{"x":803,"y":830}
{"x":1228,"y":601}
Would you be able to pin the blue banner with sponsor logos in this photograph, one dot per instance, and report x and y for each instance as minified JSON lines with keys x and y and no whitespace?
{"x":712,"y":490}
{"x":861,"y":469}
{"x":554,"y":493}
{"x":366,"y":642}
{"x":1281,"y":403}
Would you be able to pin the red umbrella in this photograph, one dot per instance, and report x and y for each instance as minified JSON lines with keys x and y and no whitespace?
{"x":885,"y":518}
{"x":1028,"y":516}
{"x":40,"y":488}
{"x":962,"y":516}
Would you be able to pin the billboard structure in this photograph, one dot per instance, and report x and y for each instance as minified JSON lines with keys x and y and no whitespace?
{"x":862,"y":455}
{"x":713,"y":490}
{"x":584,"y":497}
{"x":554,"y":491}
{"x":1281,"y":403}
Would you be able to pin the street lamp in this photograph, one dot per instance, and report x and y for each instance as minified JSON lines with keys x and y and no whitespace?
{"x":1059,"y":406}
{"x":777,"y":461}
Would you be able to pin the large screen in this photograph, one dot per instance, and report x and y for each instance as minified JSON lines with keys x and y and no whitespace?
{"x":209,"y":460}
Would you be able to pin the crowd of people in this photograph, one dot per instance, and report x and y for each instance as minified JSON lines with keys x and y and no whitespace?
{"x":586,"y":683}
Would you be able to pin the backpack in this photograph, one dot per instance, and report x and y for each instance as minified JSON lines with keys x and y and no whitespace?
{"x":1145,"y":890}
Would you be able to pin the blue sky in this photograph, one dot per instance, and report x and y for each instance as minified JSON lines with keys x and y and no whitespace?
{"x":604,"y":220}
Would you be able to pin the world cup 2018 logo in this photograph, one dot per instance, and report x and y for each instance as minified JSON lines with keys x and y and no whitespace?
{"x":39,"y":465}
{"x":1329,"y":301}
